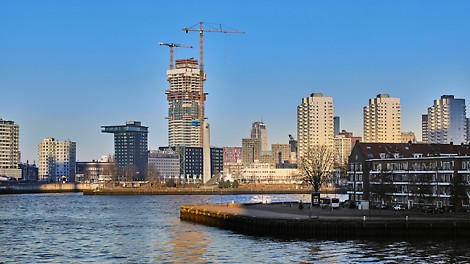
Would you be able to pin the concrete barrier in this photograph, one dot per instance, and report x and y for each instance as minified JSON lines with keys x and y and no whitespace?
{"x":330,"y":229}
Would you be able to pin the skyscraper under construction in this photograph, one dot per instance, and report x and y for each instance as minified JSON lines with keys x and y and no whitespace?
{"x":184,"y":102}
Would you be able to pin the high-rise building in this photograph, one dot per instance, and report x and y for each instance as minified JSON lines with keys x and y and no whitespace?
{"x":250,"y":150}
{"x":337,"y":126}
{"x":343,"y":149}
{"x":57,"y":160}
{"x":130,"y":148}
{"x":9,"y":149}
{"x":315,"y":122}
{"x":258,"y":131}
{"x":424,"y":128}
{"x":382,"y":120}
{"x":446,"y":121}
{"x":184,"y":102}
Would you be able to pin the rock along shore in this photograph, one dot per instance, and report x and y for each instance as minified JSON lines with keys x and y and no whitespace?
{"x":286,"y":220}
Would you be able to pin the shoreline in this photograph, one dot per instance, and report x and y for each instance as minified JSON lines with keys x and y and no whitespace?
{"x":286,"y":221}
{"x":99,"y":189}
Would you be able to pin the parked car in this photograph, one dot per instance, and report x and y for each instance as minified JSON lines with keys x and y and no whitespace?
{"x":399,"y":207}
{"x":438,"y":210}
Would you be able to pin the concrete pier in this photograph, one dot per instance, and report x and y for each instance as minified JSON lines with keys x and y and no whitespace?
{"x":287,"y":221}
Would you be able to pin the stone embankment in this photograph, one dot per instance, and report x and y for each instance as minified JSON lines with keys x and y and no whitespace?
{"x":286,"y":220}
{"x":18,"y":188}
{"x":190,"y":191}
{"x":135,"y":189}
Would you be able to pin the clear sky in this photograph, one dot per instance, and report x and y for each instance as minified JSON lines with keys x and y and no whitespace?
{"x":69,"y":67}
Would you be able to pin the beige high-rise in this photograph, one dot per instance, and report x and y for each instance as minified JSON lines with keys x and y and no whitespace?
{"x":57,"y":159}
{"x":315,"y":122}
{"x":9,"y":149}
{"x":382,"y":120}
{"x":184,"y":101}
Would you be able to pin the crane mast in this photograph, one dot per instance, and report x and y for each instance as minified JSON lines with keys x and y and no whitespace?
{"x":171,"y":46}
{"x":201,"y":31}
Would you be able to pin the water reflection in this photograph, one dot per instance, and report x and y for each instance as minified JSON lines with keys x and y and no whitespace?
{"x":186,"y":245}
{"x":147,"y":229}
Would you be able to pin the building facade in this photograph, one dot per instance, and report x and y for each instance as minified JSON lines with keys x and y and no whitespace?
{"x":342,"y":150}
{"x":250,"y":150}
{"x":410,"y":174}
{"x":408,"y":137}
{"x":57,"y":160}
{"x":446,"y":121}
{"x":266,"y":173}
{"x":232,"y":154}
{"x":165,"y":164}
{"x":29,"y":172}
{"x":192,"y":163}
{"x":315,"y":122}
{"x":130,"y":149}
{"x":350,"y":135}
{"x":337,"y":125}
{"x":382,"y":119}
{"x":281,"y":153}
{"x":9,"y":149}
{"x":258,"y":131}
{"x":184,"y":102}
{"x":95,"y":171}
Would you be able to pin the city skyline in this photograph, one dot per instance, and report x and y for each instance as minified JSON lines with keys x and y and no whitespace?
{"x":70,"y":68}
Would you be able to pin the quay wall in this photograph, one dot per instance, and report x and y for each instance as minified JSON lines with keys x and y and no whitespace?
{"x":189,"y":191}
{"x":45,"y":188}
{"x":98,"y":189}
{"x":317,"y":228}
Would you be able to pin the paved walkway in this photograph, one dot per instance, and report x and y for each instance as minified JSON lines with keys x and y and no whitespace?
{"x":292,"y":211}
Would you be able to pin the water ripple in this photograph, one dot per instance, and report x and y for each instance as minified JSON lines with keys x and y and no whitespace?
{"x":72,"y":228}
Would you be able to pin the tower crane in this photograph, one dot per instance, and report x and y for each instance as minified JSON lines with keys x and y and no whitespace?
{"x":174,"y":45}
{"x":201,"y":31}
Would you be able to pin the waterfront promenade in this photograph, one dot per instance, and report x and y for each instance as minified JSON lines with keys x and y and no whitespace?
{"x":286,"y":220}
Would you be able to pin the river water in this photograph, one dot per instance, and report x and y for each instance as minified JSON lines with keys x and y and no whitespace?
{"x":72,"y":228}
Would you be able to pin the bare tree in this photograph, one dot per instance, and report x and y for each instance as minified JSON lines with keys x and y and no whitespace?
{"x":153,"y":174}
{"x":316,"y":165}
{"x":113,"y":171}
{"x":129,"y":172}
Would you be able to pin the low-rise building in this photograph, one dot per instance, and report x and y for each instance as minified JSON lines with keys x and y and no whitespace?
{"x":96,"y":171}
{"x":267,"y":173}
{"x":163,"y":165}
{"x":410,"y":174}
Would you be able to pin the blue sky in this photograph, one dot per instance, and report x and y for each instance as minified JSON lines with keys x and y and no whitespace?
{"x":68,"y":67}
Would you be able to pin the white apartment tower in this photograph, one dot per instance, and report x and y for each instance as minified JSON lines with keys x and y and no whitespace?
{"x":382,"y":120}
{"x":9,"y":149}
{"x":258,"y":131}
{"x":57,"y":159}
{"x":184,"y":102}
{"x":446,"y":121}
{"x":315,"y":122}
